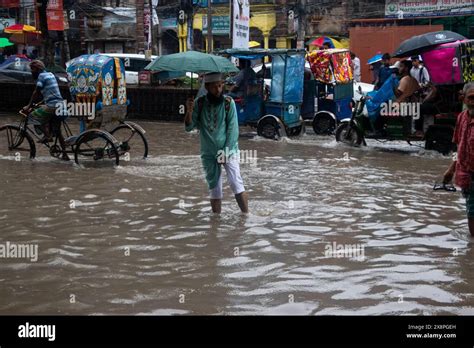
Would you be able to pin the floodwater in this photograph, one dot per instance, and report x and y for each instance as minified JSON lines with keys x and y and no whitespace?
{"x":140,"y":238}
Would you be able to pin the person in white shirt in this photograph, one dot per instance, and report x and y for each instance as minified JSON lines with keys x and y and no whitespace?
{"x":355,"y":67}
{"x":419,"y":72}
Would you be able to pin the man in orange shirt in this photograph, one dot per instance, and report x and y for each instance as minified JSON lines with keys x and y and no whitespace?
{"x":463,"y":167}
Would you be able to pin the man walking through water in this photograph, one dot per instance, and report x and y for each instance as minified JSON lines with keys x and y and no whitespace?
{"x":463,"y":167}
{"x":215,"y":116}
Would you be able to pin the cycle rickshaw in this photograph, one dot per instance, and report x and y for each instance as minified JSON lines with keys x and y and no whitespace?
{"x":97,"y":84}
{"x":276,"y":112}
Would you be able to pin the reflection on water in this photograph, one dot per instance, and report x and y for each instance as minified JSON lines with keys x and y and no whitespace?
{"x":140,"y":238}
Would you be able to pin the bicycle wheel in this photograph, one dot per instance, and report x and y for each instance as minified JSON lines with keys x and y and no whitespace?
{"x":96,"y":148}
{"x":132,"y":142}
{"x":16,"y":142}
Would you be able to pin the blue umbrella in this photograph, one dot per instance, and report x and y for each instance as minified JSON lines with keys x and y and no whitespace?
{"x":375,"y":59}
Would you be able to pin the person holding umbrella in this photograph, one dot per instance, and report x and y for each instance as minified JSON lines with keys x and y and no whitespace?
{"x":215,"y":116}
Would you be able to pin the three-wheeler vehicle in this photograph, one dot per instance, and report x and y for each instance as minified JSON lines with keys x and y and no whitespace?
{"x":450,"y":66}
{"x":329,"y":90}
{"x":275,"y":112}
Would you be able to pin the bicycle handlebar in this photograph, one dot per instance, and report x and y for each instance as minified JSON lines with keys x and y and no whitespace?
{"x":33,"y":107}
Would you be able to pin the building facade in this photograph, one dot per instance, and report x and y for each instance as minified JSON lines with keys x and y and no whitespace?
{"x":124,"y":25}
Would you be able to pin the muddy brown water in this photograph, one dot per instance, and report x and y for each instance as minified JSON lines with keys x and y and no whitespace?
{"x":140,"y":238}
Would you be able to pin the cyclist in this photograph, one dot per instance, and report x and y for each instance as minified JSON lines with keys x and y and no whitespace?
{"x":46,"y":86}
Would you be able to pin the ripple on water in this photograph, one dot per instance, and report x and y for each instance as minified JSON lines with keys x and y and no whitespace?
{"x":304,"y":194}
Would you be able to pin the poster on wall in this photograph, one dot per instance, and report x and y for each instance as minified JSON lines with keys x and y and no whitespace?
{"x":220,"y":25}
{"x":55,"y":13}
{"x":416,"y":8}
{"x":241,"y":24}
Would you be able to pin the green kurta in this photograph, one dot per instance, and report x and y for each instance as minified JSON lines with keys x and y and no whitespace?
{"x":219,"y":133}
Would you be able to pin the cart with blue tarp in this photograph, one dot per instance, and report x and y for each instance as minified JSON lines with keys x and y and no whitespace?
{"x":329,"y":91}
{"x":99,"y":80}
{"x":275,"y":112}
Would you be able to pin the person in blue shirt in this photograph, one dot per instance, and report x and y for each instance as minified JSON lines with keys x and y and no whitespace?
{"x":385,"y":71}
{"x":47,"y":87}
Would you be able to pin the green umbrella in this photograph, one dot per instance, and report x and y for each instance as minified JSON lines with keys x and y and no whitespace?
{"x":192,"y":61}
{"x":4,"y":42}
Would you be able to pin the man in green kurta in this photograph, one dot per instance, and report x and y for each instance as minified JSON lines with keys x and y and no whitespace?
{"x":215,"y":116}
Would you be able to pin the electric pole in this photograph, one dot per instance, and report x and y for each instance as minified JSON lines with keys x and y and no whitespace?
{"x":152,"y":28}
{"x":190,"y":19}
{"x":43,"y":24}
{"x":209,"y":26}
{"x":301,"y":24}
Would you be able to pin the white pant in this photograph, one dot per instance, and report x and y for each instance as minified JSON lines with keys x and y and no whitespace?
{"x":232,"y":167}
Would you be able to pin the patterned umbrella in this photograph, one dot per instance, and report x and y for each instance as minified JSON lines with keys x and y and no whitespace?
{"x":333,"y":43}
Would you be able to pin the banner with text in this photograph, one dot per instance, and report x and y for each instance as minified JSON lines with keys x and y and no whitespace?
{"x":55,"y":13}
{"x":220,"y":25}
{"x":241,"y":24}
{"x":424,"y":8}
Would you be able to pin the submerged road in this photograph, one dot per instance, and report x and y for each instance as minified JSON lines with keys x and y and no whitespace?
{"x":332,"y":230}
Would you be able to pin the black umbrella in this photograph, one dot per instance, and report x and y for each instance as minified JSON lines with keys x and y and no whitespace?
{"x":420,"y":43}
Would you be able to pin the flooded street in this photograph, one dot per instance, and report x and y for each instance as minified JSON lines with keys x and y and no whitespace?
{"x":140,"y":238}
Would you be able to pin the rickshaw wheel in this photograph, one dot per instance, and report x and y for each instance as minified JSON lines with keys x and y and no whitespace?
{"x":324,"y":124}
{"x":349,"y":135}
{"x":12,"y":141}
{"x":131,"y":140}
{"x":268,"y":128}
{"x":96,"y":148}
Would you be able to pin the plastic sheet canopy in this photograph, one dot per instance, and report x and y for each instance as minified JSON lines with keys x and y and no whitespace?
{"x":287,"y":78}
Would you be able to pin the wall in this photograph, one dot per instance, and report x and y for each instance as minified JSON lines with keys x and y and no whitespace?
{"x":153,"y":103}
{"x":365,"y":42}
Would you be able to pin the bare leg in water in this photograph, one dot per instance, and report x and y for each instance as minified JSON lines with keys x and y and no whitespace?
{"x":470,"y":222}
{"x":63,"y":146}
{"x":242,"y":201}
{"x":216,"y":205}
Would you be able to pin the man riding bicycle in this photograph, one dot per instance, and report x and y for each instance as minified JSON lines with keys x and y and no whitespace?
{"x":47,"y":86}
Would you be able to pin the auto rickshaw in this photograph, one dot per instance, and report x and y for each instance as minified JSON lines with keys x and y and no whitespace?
{"x":329,"y":90}
{"x":450,"y":66}
{"x":99,"y":80}
{"x":274,"y":111}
